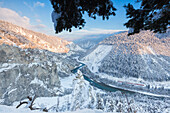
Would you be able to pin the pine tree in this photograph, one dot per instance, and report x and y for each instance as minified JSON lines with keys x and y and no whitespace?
{"x":69,"y":13}
{"x":152,"y":15}
{"x":109,"y":105}
{"x":100,"y":104}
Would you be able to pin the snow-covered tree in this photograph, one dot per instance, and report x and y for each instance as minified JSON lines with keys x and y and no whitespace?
{"x":109,"y":105}
{"x":69,"y":13}
{"x":152,"y":15}
{"x":100,"y":103}
{"x":83,"y":95}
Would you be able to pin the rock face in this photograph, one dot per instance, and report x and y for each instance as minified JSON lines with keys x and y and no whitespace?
{"x":33,"y":63}
{"x":15,"y":35}
{"x":25,"y":72}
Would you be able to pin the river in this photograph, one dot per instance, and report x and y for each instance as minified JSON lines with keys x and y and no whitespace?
{"x":111,"y":88}
{"x":99,"y":84}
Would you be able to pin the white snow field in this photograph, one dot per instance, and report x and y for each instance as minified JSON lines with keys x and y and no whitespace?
{"x":12,"y":109}
{"x":93,"y":60}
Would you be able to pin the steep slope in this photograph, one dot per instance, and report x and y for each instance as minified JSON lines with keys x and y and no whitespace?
{"x":33,"y":63}
{"x":26,"y":72}
{"x":142,"y":56}
{"x":14,"y":35}
{"x":138,"y":60}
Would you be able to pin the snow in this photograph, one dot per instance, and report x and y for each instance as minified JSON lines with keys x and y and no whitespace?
{"x":151,"y":50}
{"x":46,"y":101}
{"x":155,"y":59}
{"x":37,"y":81}
{"x":55,"y":16}
{"x":1,"y":101}
{"x":24,"y":37}
{"x":75,"y":47}
{"x":157,"y":14}
{"x":12,"y":109}
{"x":93,"y":60}
{"x":12,"y":90}
{"x":131,"y":30}
{"x":6,"y":67}
{"x":67,"y":81}
{"x":31,"y":64}
{"x":82,"y":96}
{"x":41,"y":83}
{"x":16,"y":80}
{"x":136,"y":81}
{"x":144,"y":56}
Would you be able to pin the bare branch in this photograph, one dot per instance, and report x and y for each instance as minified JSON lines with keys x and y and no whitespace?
{"x":21,"y":104}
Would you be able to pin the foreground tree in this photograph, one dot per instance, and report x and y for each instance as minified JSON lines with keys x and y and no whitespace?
{"x":69,"y":13}
{"x":152,"y":15}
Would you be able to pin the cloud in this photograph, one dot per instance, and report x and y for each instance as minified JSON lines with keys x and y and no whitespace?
{"x":39,"y":4}
{"x":86,"y":33}
{"x":14,"y":17}
{"x":38,"y":20}
{"x":29,"y":6}
{"x":23,"y":21}
{"x":39,"y":26}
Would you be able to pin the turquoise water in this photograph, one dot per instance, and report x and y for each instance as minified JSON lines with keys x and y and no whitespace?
{"x":98,"y":84}
{"x":76,"y":69}
{"x":105,"y":87}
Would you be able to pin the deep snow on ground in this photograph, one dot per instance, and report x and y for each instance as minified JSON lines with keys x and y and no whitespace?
{"x":84,"y":95}
{"x":12,"y":109}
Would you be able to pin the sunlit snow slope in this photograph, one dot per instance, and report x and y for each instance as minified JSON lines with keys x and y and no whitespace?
{"x":15,"y":35}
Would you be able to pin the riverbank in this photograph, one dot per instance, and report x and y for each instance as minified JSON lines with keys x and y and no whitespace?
{"x":118,"y":81}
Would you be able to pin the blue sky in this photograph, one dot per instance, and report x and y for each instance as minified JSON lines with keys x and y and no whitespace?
{"x":36,"y":15}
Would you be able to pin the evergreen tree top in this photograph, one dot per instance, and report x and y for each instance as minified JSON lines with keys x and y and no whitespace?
{"x":152,"y":15}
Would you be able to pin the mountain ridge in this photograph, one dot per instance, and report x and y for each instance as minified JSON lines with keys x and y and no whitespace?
{"x":90,"y":41}
{"x":143,"y":39}
{"x":15,"y":35}
{"x":123,"y":60}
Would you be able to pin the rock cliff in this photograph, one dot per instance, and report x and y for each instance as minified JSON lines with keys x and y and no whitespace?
{"x":27,"y":72}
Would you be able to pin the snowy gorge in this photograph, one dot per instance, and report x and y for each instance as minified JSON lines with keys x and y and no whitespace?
{"x":138,"y":64}
{"x":138,"y":60}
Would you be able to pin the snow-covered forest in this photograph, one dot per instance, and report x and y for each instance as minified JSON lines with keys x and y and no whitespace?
{"x":98,"y":69}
